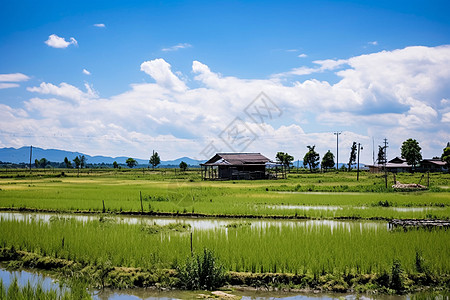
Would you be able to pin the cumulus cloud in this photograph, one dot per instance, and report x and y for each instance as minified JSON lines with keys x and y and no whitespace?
{"x":394,"y":94}
{"x":86,"y":72}
{"x":160,"y":70}
{"x":177,"y":47}
{"x":100,"y":25}
{"x":303,"y":55}
{"x":64,"y":90}
{"x":55,"y":41}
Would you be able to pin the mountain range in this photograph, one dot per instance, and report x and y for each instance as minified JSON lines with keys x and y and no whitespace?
{"x":22,"y":155}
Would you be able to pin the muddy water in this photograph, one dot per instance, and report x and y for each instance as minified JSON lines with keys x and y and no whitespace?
{"x":107,"y":294}
{"x":202,"y":223}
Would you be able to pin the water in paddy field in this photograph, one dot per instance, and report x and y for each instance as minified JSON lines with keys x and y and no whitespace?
{"x":128,"y":294}
{"x":202,"y":223}
{"x":24,"y":277}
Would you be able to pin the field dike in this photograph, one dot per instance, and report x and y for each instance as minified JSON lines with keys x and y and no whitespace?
{"x":104,"y":275}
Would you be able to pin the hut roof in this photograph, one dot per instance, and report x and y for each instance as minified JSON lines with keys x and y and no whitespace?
{"x":237,"y":159}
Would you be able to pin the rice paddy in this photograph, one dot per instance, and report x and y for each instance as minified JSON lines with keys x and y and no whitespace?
{"x":186,"y":193}
{"x":240,"y":222}
{"x":345,"y":247}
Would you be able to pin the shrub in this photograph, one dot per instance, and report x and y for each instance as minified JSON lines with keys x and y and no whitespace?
{"x":201,"y":272}
{"x":396,"y":282}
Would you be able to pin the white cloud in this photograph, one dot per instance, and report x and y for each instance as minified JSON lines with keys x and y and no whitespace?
{"x":324,"y":65}
{"x":86,"y":72}
{"x":303,"y":55}
{"x":14,"y":77}
{"x":160,"y":70}
{"x":8,"y":85}
{"x":59,"y":42}
{"x":373,"y":43}
{"x":100,"y":25}
{"x":9,"y":80}
{"x":446,"y":117}
{"x":177,"y":47}
{"x":64,"y":90}
{"x":394,"y":94}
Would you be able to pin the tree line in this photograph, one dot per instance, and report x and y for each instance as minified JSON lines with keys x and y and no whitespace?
{"x":410,"y":151}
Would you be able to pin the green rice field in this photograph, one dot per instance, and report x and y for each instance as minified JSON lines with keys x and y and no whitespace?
{"x":281,"y":247}
{"x":308,"y":225}
{"x":165,"y":191}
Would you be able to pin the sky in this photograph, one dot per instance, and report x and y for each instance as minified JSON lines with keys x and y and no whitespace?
{"x":191,"y":78}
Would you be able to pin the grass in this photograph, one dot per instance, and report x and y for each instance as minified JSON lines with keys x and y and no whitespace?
{"x":165,"y":191}
{"x":277,"y":249}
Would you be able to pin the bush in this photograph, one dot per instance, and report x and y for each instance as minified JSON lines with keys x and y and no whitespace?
{"x":201,"y":272}
{"x":396,"y":282}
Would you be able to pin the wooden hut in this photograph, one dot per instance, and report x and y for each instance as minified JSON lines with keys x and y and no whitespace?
{"x":235,"y":166}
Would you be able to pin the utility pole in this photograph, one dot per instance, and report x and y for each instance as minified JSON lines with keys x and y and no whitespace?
{"x":373,"y":151}
{"x":337,"y":133}
{"x":384,"y":161}
{"x":31,"y":154}
{"x":357,"y":172}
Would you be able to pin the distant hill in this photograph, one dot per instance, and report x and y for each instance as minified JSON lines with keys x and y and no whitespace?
{"x":22,"y":155}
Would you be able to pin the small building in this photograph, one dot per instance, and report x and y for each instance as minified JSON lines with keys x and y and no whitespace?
{"x":231,"y":166}
{"x":433,"y":165}
{"x":395,"y":165}
{"x":398,"y":165}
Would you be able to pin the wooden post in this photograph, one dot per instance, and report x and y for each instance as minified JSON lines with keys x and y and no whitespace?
{"x":428,"y":179}
{"x":192,"y":249}
{"x":142,"y":207}
{"x":103,"y":201}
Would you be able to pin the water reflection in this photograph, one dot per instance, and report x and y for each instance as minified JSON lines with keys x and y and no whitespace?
{"x":204,"y":223}
{"x":23,"y":277}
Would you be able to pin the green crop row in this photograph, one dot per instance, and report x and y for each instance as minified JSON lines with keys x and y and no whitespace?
{"x":318,"y":250}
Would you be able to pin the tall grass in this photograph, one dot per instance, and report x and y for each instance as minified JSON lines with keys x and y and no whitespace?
{"x":279,"y":248}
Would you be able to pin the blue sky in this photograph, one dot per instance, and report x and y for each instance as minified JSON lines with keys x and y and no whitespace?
{"x":126,"y":77}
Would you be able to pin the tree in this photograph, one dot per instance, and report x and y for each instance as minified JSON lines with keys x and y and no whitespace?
{"x":285,"y":159}
{"x":154,"y":160}
{"x":381,"y":159}
{"x":410,"y":151}
{"x":42,"y":163}
{"x":328,"y":160}
{"x":311,"y":158}
{"x":352,"y":159}
{"x":131,"y":162}
{"x":115,"y":165}
{"x":183,"y":166}
{"x":67,"y":163}
{"x":77,"y":162}
{"x":446,"y":155}
{"x":83,"y":160}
